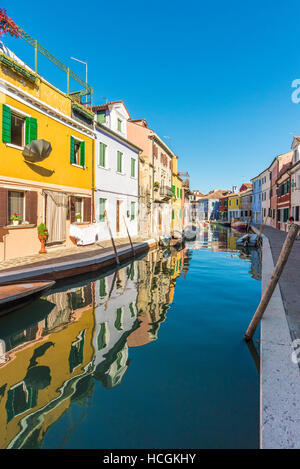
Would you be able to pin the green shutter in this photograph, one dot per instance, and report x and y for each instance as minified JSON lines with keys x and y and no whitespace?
{"x":177,"y":191}
{"x":102,"y":336}
{"x":131,"y":310}
{"x":119,"y":162}
{"x":102,"y":154}
{"x":181,"y":193}
{"x":6,"y":124}
{"x":132,"y":210}
{"x":33,"y":128}
{"x":72,"y":153}
{"x":132,"y":167}
{"x":173,"y":214}
{"x":118,"y":321}
{"x":173,"y":189}
{"x":102,"y":208}
{"x":102,"y":287}
{"x":101,"y":117}
{"x":30,"y":129}
{"x":82,"y":154}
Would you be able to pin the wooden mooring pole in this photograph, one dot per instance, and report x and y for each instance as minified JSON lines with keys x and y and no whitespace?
{"x":132,"y":248}
{"x":111,"y":237}
{"x":283,"y":257}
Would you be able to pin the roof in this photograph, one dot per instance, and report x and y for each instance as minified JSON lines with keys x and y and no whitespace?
{"x":141,"y":121}
{"x":216,"y":194}
{"x":101,"y":107}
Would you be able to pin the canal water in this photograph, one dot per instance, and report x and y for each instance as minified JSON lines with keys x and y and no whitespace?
{"x":148,"y":356}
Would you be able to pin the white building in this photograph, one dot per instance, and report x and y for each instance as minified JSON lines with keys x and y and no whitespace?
{"x":266,"y":193}
{"x":116,"y":172}
{"x":295,"y":181}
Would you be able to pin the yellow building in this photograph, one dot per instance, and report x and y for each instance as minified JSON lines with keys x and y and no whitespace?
{"x":46,"y":164}
{"x":177,"y":203}
{"x":41,"y":368}
{"x":234,"y":206}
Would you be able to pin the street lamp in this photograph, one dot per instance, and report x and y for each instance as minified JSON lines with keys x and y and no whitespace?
{"x":86,"y":70}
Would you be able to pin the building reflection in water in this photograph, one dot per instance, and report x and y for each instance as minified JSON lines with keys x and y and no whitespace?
{"x":53,"y":352}
{"x":219,"y":238}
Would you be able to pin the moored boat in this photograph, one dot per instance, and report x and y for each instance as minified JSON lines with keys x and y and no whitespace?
{"x":239,"y":225}
{"x":19,"y":294}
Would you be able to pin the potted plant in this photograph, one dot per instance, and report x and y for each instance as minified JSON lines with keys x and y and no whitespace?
{"x":43,"y":235}
{"x":156,"y":185}
{"x":78,"y":217}
{"x":15,"y":218}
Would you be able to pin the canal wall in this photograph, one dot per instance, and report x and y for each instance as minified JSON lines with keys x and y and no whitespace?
{"x":279,"y":374}
{"x":76,"y":264}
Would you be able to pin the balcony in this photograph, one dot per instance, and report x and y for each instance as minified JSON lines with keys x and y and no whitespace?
{"x":166,"y":192}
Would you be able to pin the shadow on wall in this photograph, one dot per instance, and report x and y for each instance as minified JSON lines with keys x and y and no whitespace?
{"x":39,"y":169}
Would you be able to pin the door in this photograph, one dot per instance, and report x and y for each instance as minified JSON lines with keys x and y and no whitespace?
{"x":56,"y":215}
{"x":118,"y":217}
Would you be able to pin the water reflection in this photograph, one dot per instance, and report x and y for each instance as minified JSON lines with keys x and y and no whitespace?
{"x":53,"y":352}
{"x":220,"y":238}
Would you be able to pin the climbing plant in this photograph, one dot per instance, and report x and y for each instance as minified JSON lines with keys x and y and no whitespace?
{"x":7,"y":25}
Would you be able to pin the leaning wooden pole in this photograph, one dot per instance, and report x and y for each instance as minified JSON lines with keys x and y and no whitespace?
{"x":111,"y":237}
{"x":132,"y":248}
{"x":285,"y":252}
{"x":261,"y":228}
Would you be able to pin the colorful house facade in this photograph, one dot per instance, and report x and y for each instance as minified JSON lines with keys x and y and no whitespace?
{"x":177,"y":211}
{"x":46,"y":182}
{"x":116,"y":172}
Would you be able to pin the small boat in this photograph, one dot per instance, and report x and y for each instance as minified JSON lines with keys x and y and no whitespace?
{"x":164,"y":241}
{"x":239,"y":225}
{"x":190,"y":232}
{"x":17,"y":295}
{"x":251,"y":240}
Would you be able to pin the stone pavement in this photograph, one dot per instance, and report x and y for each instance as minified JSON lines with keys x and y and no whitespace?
{"x":289,"y":282}
{"x":60,"y":253}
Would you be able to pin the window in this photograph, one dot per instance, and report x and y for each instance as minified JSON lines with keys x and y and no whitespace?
{"x":236,"y":201}
{"x":119,"y":161}
{"x":102,"y":209}
{"x":101,"y":117}
{"x":297,"y":213}
{"x":285,"y":215}
{"x":77,"y":154}
{"x":78,"y":209}
{"x":119,"y":125}
{"x":132,"y":211}
{"x":132,"y":167}
{"x":16,"y":128}
{"x":102,"y":158}
{"x":16,"y":205}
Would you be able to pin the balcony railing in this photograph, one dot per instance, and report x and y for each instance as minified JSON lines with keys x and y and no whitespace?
{"x":166,"y":192}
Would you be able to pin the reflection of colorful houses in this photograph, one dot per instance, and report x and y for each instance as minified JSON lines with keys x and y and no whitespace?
{"x":116,"y":319}
{"x":35,"y":376}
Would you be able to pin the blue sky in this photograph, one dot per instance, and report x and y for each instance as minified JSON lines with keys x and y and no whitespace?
{"x":213,"y":77}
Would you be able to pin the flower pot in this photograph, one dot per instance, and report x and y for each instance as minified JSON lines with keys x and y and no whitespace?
{"x":42,"y":240}
{"x":15,"y":222}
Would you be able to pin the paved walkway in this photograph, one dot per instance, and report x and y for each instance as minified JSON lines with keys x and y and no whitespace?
{"x":290,"y":278}
{"x":279,"y":370}
{"x":61,"y":254}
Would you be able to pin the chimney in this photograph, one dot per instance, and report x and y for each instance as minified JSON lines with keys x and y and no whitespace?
{"x":234,"y":189}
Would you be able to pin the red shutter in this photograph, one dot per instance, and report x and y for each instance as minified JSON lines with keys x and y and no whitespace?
{"x":87,"y":209}
{"x":3,"y":206}
{"x":72,"y":209}
{"x":31,"y":198}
